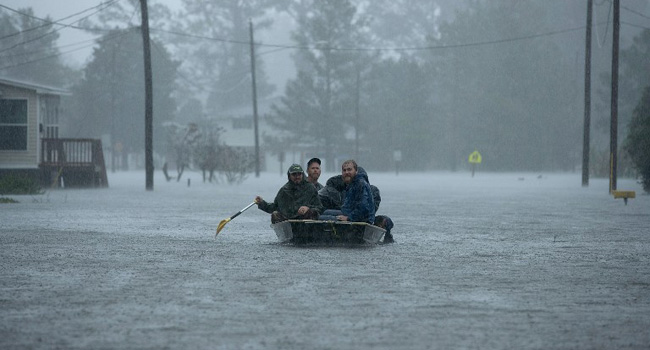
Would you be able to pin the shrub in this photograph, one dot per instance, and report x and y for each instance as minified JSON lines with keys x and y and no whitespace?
{"x":637,"y":143}
{"x":13,"y":184}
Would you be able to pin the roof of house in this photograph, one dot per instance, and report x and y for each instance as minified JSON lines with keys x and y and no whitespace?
{"x":39,"y":88}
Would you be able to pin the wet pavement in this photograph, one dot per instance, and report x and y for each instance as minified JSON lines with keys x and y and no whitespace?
{"x":498,"y":261}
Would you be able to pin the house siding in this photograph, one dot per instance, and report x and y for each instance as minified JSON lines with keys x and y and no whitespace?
{"x":27,"y":159}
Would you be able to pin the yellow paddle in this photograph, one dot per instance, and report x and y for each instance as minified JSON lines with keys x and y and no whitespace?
{"x":225,"y":221}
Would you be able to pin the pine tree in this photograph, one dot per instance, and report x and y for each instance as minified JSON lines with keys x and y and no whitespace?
{"x":110,"y":97}
{"x":637,"y":142}
{"x":28,"y":49}
{"x":318,"y":106}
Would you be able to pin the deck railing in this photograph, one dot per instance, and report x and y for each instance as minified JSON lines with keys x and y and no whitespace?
{"x":69,"y":154}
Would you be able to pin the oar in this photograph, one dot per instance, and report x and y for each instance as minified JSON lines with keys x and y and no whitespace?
{"x":225,"y":221}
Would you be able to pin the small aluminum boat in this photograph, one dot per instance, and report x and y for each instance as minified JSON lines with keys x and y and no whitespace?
{"x":316,"y":231}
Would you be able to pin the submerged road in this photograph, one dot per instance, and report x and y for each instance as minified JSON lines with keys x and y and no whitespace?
{"x":498,"y":261}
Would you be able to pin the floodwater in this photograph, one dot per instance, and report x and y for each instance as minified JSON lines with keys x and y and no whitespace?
{"x":497,"y":261}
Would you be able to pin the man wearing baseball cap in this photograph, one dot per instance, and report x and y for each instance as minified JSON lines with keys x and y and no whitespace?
{"x":297,"y":199}
{"x":313,"y":173}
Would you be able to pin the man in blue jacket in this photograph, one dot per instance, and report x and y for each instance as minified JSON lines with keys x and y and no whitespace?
{"x":358,"y":204}
{"x":332,"y":195}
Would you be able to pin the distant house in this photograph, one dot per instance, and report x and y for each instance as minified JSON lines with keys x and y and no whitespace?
{"x":239,"y":131}
{"x":30,"y":144}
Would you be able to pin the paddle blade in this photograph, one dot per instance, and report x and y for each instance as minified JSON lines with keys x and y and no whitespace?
{"x":224,"y":222}
{"x":221,"y":225}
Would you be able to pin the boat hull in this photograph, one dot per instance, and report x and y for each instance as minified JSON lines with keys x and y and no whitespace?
{"x":316,"y":231}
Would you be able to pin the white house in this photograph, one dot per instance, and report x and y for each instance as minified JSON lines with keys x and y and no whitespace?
{"x":29,"y":138}
{"x":239,"y":132}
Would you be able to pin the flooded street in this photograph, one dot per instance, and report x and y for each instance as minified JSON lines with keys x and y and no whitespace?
{"x":498,"y":261}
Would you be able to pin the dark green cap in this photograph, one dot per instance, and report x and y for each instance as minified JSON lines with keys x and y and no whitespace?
{"x":294,"y":168}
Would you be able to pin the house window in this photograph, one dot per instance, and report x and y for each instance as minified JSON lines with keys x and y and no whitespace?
{"x":50,"y":113}
{"x":13,"y":124}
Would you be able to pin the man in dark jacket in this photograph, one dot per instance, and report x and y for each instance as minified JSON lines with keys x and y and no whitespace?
{"x":333,"y":194}
{"x":358,"y":204}
{"x":297,"y":199}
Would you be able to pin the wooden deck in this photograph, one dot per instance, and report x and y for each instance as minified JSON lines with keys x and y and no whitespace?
{"x":73,"y":162}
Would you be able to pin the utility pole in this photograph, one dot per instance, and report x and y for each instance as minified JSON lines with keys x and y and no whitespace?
{"x":357,"y":115}
{"x":613,"y":140}
{"x":587,"y":121}
{"x":255,"y":117}
{"x":148,"y":100}
{"x":328,"y":110}
{"x":113,"y":92}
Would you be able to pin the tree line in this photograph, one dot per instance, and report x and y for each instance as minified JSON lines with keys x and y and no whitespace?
{"x":432,"y":81}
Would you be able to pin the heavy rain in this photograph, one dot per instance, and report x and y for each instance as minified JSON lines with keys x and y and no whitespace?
{"x":508,"y":139}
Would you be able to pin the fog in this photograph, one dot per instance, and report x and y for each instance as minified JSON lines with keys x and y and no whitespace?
{"x":395,"y":85}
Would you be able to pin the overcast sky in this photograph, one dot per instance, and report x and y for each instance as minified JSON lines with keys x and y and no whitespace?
{"x":76,"y":44}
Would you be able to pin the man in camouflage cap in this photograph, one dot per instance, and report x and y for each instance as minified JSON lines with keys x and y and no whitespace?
{"x":297,"y":199}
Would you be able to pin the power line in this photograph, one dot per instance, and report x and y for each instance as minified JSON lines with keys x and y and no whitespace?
{"x":270,"y":52}
{"x":182,"y":76}
{"x":104,"y":39}
{"x":118,"y":35}
{"x":285,"y":47}
{"x":634,"y":11}
{"x":279,"y":47}
{"x":47,"y":22}
{"x":416,"y":48}
{"x":609,"y":13}
{"x":27,"y":53}
{"x":55,"y":30}
{"x":624,"y":7}
{"x":490,"y":42}
{"x":301,"y":47}
{"x":41,"y":58}
{"x":634,"y":25}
